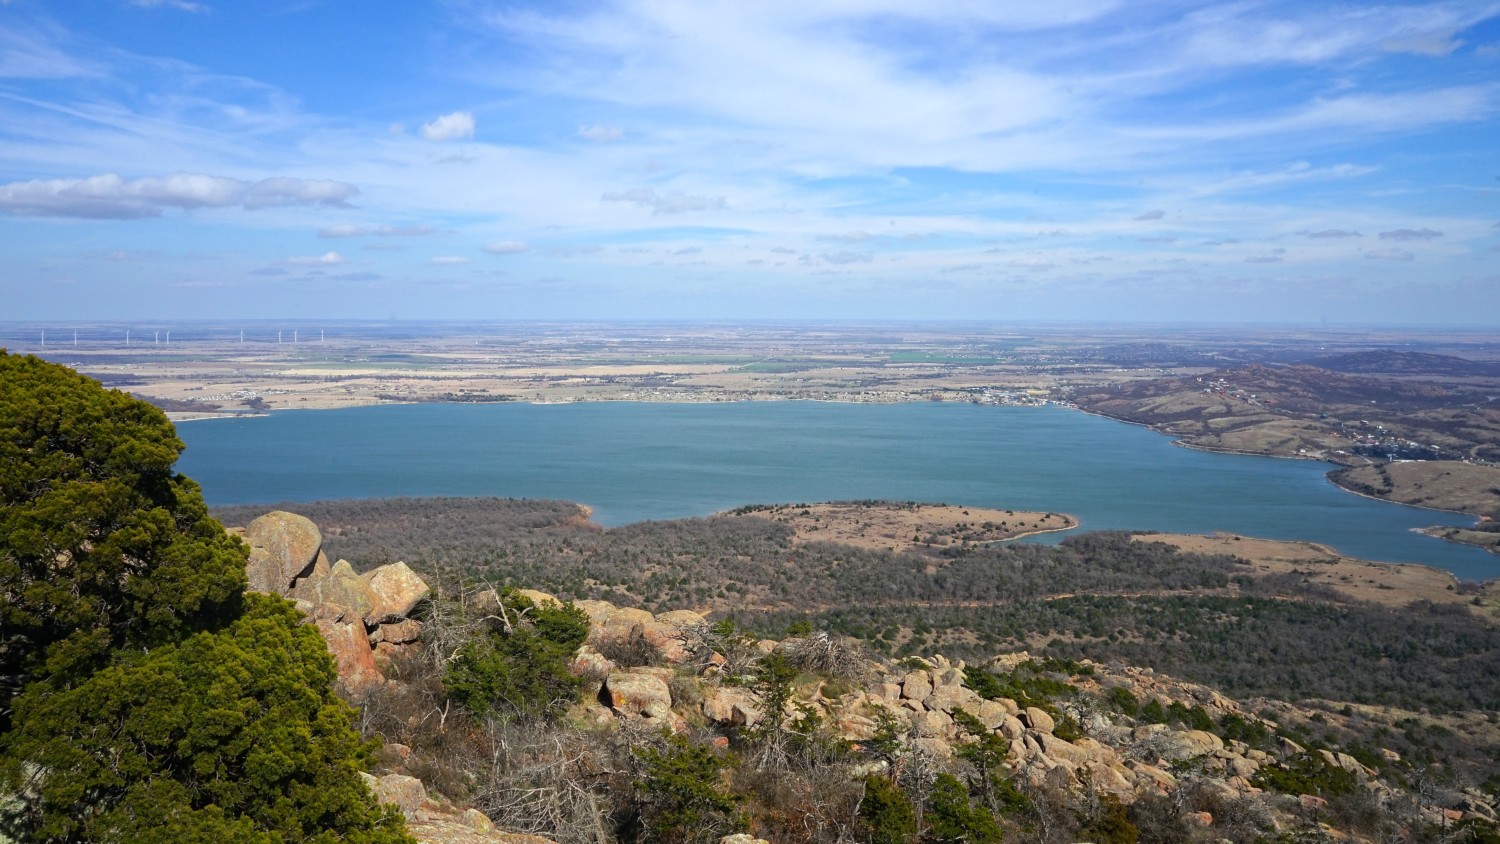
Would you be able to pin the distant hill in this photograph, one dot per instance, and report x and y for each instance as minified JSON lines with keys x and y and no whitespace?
{"x":1392,"y":362}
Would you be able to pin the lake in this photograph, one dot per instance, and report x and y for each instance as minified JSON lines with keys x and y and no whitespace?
{"x":636,"y":461}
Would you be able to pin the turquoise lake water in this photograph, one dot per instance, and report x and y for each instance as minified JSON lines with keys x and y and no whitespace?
{"x":632,"y":462}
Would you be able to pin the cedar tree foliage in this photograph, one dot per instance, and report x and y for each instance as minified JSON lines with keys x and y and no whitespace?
{"x":145,"y":697}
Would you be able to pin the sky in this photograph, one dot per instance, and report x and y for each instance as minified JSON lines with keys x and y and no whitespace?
{"x":841,"y":159}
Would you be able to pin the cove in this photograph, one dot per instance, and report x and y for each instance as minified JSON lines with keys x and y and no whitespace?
{"x":637,"y":461}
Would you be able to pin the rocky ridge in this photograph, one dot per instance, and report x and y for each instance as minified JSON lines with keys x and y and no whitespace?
{"x":693,"y":675}
{"x":366,"y":621}
{"x":1100,"y":750}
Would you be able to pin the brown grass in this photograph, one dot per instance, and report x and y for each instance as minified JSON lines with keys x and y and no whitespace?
{"x":901,"y":526}
{"x":1390,"y":584}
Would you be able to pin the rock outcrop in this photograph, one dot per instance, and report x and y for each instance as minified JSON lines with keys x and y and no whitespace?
{"x":697,"y":679}
{"x":364,"y":618}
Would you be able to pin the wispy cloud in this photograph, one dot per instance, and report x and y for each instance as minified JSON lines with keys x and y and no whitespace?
{"x":327,"y":259}
{"x":1410,"y":234}
{"x":672,"y":203}
{"x":601,"y":133}
{"x":109,"y":196}
{"x":182,"y":5}
{"x":507,"y":247}
{"x":349,"y":230}
{"x":1326,"y":234}
{"x":450,"y":127}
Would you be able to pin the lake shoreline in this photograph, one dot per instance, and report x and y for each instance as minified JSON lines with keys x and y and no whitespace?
{"x":635,"y":461}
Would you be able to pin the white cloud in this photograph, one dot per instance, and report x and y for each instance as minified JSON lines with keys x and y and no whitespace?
{"x":857,"y":236}
{"x":449,"y":260}
{"x":285,"y":190}
{"x":1433,"y":44}
{"x":1410,"y":234}
{"x":846,"y":257}
{"x":672,"y":203}
{"x":450,"y":127}
{"x":601,"y":133}
{"x":1155,"y":214}
{"x":507,"y":247}
{"x":351,"y":230}
{"x":184,"y":5}
{"x":111,"y":197}
{"x":342,"y":230}
{"x":327,"y":259}
{"x":401,"y":231}
{"x":1336,"y":234}
{"x":25,"y":55}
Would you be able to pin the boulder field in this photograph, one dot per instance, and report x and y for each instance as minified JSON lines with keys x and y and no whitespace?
{"x":693,"y":680}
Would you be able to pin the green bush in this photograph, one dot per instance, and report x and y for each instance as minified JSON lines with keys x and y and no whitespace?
{"x":886,"y":814}
{"x":518,"y":665}
{"x":1306,"y":773}
{"x":1123,"y":700}
{"x":230,"y":735}
{"x":146,"y":698}
{"x":951,"y":818}
{"x":683,"y":793}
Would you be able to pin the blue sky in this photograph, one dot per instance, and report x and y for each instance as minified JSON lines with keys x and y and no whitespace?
{"x":1075,"y":159}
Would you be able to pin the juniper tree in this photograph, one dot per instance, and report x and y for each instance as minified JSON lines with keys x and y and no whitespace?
{"x":146,"y":698}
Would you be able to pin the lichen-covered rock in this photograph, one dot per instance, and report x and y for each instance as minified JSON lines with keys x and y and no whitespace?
{"x":590,"y":663}
{"x":358,"y":674}
{"x":283,"y":547}
{"x":1111,"y":780}
{"x":733,"y":706}
{"x":1189,"y":744}
{"x":948,"y":697}
{"x":933,"y":724}
{"x":395,"y":590}
{"x":477,"y":820}
{"x":1038,"y":719}
{"x":541,"y":599}
{"x":406,"y":792}
{"x":398,"y":632}
{"x":341,"y":587}
{"x":990,"y":713}
{"x":637,"y":696}
{"x":916,"y":685}
{"x":1011,"y":727}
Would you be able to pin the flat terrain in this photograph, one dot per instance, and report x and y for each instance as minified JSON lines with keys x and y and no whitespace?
{"x":1361,"y":580}
{"x":1311,"y":412}
{"x":1439,"y":484}
{"x":893,"y":526}
{"x":1353,"y":398}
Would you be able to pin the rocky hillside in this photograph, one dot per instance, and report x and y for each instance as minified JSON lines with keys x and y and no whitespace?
{"x":672,"y":727}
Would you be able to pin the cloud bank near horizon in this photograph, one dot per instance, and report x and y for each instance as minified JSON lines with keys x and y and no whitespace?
{"x":640,"y":158}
